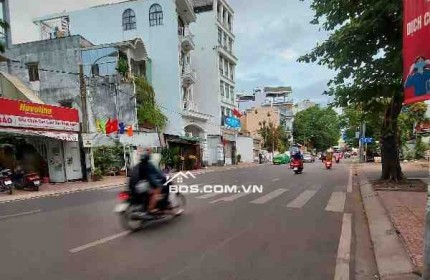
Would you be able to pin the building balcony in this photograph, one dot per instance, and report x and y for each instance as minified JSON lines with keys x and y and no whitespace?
{"x":188,"y":75}
{"x":278,"y":102}
{"x":227,"y":54}
{"x":191,"y":110}
{"x":186,"y":38}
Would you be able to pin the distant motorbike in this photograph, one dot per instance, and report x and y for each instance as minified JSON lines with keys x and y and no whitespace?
{"x":328,"y":164}
{"x":132,"y":209}
{"x":6,"y":184}
{"x":27,"y":181}
{"x":297,"y":166}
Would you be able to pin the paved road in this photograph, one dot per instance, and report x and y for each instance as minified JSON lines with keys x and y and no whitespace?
{"x":291,"y":231}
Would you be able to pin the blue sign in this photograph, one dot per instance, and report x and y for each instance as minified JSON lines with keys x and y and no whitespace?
{"x":232,"y":122}
{"x":366,"y":140}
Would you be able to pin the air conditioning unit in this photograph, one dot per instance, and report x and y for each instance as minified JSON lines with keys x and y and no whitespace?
{"x":188,"y":134}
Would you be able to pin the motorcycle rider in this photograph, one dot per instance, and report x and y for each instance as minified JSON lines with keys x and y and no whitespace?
{"x":298,"y":156}
{"x":146,"y":171}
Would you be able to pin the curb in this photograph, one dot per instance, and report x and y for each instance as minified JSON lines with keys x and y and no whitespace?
{"x":392,"y":259}
{"x":59,"y":193}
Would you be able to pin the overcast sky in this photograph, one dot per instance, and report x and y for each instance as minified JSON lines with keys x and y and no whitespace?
{"x":270,"y":35}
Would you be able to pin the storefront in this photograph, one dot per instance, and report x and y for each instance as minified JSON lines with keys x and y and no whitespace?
{"x":188,"y":149}
{"x":41,"y":138}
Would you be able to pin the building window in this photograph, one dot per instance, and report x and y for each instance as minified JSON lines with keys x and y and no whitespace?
{"x":155,"y":15}
{"x":33,"y":71}
{"x":230,"y":45}
{"x":232,"y":94}
{"x":225,"y":40}
{"x":227,"y":91}
{"x":226,"y":68}
{"x":220,"y":36}
{"x":128,"y":20}
{"x":221,"y":66}
{"x":221,"y":88}
{"x":231,"y":72}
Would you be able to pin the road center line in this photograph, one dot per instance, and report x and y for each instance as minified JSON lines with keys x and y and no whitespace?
{"x":275,"y":180}
{"x":20,"y":214}
{"x":99,"y":242}
{"x":344,"y":249}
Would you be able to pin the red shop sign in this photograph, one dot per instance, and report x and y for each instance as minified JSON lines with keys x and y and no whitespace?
{"x":416,"y":50}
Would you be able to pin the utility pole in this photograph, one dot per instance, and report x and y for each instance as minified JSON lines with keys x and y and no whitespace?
{"x":84,"y":124}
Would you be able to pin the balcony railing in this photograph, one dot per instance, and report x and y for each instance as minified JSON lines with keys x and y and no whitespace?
{"x":186,"y":38}
{"x":188,"y":75}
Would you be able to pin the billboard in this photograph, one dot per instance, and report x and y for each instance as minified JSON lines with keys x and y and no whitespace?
{"x":416,"y":50}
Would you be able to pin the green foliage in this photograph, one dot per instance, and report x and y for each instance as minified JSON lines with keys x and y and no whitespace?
{"x":148,"y":112}
{"x":98,"y":174}
{"x":318,"y":127}
{"x":410,"y":116}
{"x":420,"y":148}
{"x":3,"y":25}
{"x":122,"y":66}
{"x":107,"y":157}
{"x":274,"y":137}
{"x":239,"y":157}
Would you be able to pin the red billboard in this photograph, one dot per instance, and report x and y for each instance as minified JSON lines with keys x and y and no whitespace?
{"x":18,"y":113}
{"x":416,"y":50}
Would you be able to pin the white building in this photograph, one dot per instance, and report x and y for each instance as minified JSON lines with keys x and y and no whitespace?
{"x":215,"y":63}
{"x":163,"y":26}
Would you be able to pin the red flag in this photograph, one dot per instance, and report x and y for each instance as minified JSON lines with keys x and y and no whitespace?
{"x":111,"y":126}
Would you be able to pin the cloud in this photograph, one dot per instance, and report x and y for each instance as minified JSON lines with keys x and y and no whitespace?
{"x":289,"y":54}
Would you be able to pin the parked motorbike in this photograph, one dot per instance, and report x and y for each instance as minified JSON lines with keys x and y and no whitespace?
{"x":328,"y":164}
{"x":132,"y":209}
{"x":27,"y":181}
{"x":6,"y":184}
{"x":297,"y":166}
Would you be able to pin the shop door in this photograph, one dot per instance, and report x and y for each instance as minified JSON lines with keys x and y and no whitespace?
{"x":56,"y":167}
{"x":72,"y":160}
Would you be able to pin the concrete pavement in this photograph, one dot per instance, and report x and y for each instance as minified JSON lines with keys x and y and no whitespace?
{"x":298,"y":228}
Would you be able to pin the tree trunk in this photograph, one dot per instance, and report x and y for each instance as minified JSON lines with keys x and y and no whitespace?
{"x":391,"y":169}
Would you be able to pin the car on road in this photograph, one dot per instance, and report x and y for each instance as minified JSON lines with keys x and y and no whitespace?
{"x":281,"y":159}
{"x":308,"y":158}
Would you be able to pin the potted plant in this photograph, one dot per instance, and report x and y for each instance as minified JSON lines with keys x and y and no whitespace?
{"x":239,"y":157}
{"x":97,"y":175}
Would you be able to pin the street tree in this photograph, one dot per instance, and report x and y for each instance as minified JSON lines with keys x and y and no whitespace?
{"x":3,"y":27}
{"x":275,"y":138}
{"x":317,"y":127}
{"x":364,"y":48}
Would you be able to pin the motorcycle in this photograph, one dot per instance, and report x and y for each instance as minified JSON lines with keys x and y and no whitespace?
{"x":132,"y":209}
{"x":27,"y":181}
{"x":328,"y":164}
{"x":6,"y":184}
{"x":297,"y":166}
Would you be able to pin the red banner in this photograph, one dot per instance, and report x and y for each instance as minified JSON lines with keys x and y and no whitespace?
{"x":17,"y":113}
{"x":416,"y":50}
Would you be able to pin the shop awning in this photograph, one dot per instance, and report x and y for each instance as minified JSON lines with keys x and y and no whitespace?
{"x":63,"y":136}
{"x":184,"y":139}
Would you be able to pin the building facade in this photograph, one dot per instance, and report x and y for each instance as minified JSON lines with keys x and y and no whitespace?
{"x":163,"y":26}
{"x":215,"y":63}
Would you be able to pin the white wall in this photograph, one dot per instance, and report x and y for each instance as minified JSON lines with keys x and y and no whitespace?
{"x":244,"y":146}
{"x":104,"y":25}
{"x":205,"y":61}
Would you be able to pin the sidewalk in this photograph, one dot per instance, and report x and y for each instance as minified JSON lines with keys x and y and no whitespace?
{"x":397,"y":227}
{"x":107,"y":183}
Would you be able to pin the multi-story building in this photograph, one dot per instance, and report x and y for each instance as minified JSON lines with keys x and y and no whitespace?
{"x":215,"y":63}
{"x":303,"y":105}
{"x":163,"y":26}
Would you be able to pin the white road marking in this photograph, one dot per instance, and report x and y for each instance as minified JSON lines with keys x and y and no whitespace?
{"x":302,"y":199}
{"x":275,"y":180}
{"x":336,"y":202}
{"x":209,"y":195}
{"x":231,"y":197}
{"x":269,"y":196}
{"x":99,"y":242}
{"x":349,"y":187}
{"x":344,"y":249}
{"x":20,"y":214}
